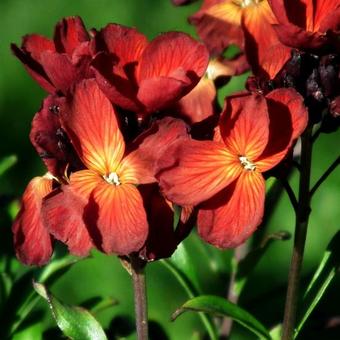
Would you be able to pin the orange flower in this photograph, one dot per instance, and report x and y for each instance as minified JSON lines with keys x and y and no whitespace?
{"x":224,"y":176}
{"x":246,"y":23}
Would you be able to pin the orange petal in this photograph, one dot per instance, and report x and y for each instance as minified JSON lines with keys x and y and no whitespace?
{"x":92,"y":126}
{"x":117,"y":215}
{"x":62,"y":213}
{"x":32,"y":241}
{"x":192,"y":171}
{"x":288,"y":119}
{"x":231,"y":216}
{"x":83,"y":182}
{"x":244,"y":125}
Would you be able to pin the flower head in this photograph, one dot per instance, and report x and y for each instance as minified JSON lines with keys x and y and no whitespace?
{"x":224,"y":176}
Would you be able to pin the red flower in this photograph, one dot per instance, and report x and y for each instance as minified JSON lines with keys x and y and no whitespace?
{"x":224,"y":176}
{"x":307,"y":24}
{"x":32,"y":241}
{"x":57,"y":65}
{"x":145,"y":77}
{"x":102,"y":206}
{"x":247,"y":24}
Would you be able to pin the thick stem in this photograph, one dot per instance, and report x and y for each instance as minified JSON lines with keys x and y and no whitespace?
{"x":139,"y":287}
{"x":301,"y":225}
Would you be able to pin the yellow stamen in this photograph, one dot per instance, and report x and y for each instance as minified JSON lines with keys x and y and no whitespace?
{"x":247,"y":164}
{"x":112,"y":178}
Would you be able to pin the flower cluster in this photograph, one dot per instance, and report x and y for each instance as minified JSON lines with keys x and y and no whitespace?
{"x":131,"y":128}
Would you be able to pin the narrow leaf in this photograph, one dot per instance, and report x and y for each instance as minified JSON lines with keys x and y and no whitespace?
{"x":325,"y":273}
{"x":6,"y":163}
{"x":221,"y":307}
{"x":74,"y":322}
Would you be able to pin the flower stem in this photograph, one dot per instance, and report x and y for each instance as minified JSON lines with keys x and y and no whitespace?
{"x":301,"y":225}
{"x":139,"y":287}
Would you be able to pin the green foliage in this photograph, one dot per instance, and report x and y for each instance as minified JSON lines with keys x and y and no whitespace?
{"x":219,"y":306}
{"x":75,"y":322}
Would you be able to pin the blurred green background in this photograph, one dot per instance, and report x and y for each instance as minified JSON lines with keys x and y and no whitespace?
{"x":20,"y":98}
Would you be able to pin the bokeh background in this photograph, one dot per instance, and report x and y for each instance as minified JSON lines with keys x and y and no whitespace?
{"x":20,"y":98}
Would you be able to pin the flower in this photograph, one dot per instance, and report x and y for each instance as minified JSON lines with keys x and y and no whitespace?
{"x":102,"y":205}
{"x":247,"y":24}
{"x":307,"y":24}
{"x":143,"y":76}
{"x":224,"y":176}
{"x":32,"y":241}
{"x":57,"y":65}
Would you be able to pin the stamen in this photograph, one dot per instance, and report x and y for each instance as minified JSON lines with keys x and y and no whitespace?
{"x":247,"y":164}
{"x":112,"y":178}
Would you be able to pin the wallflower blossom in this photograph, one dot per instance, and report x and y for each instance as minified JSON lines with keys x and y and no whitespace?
{"x":308,"y":24}
{"x":245,"y":23}
{"x":143,"y":76}
{"x":224,"y":176}
{"x":102,"y":206}
{"x":57,"y":64}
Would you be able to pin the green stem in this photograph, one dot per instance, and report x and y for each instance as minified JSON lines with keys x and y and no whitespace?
{"x":139,"y":287}
{"x":301,"y":225}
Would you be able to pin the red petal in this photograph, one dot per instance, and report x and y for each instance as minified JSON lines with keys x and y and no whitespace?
{"x":60,"y":70}
{"x":36,"y":44}
{"x":288,"y":119}
{"x":34,"y":69}
{"x":244,"y":125}
{"x":114,"y":82}
{"x":117,"y":215}
{"x":260,"y":37}
{"x":92,"y":126}
{"x":215,"y":18}
{"x":62,"y":213}
{"x":231,"y":216}
{"x":199,"y":103}
{"x":32,"y":241}
{"x":69,"y":34}
{"x":192,"y":171}
{"x":123,"y":42}
{"x":172,"y":59}
{"x":142,"y":161}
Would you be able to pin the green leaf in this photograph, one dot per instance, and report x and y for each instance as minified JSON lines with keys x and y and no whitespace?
{"x":219,"y":306}
{"x":325,"y":273}
{"x":177,"y":215}
{"x":74,"y":322}
{"x":22,"y":298}
{"x":6,"y":163}
{"x":190,"y":289}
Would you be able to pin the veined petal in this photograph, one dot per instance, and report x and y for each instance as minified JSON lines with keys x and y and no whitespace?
{"x":117,"y":215}
{"x":244,"y":125}
{"x":92,"y":126}
{"x":32,"y":241}
{"x":126,"y":43}
{"x":62,"y":213}
{"x":139,"y":166}
{"x":288,"y":119}
{"x":192,"y":171}
{"x":231,"y":216}
{"x":69,"y":33}
{"x":84,"y":181}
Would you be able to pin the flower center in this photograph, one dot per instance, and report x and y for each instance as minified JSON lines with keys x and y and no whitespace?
{"x":246,"y":3}
{"x":247,"y":164}
{"x":112,"y":178}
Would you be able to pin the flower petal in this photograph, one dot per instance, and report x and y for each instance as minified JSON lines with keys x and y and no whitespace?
{"x":92,"y":126}
{"x":125,"y":43}
{"x":62,"y":213}
{"x":60,"y":70}
{"x":117,"y":215}
{"x":139,"y":166}
{"x":244,"y":125}
{"x":288,"y":119}
{"x":32,"y":241}
{"x":231,"y":216}
{"x":172,"y":63}
{"x":69,"y":33}
{"x":193,"y":171}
